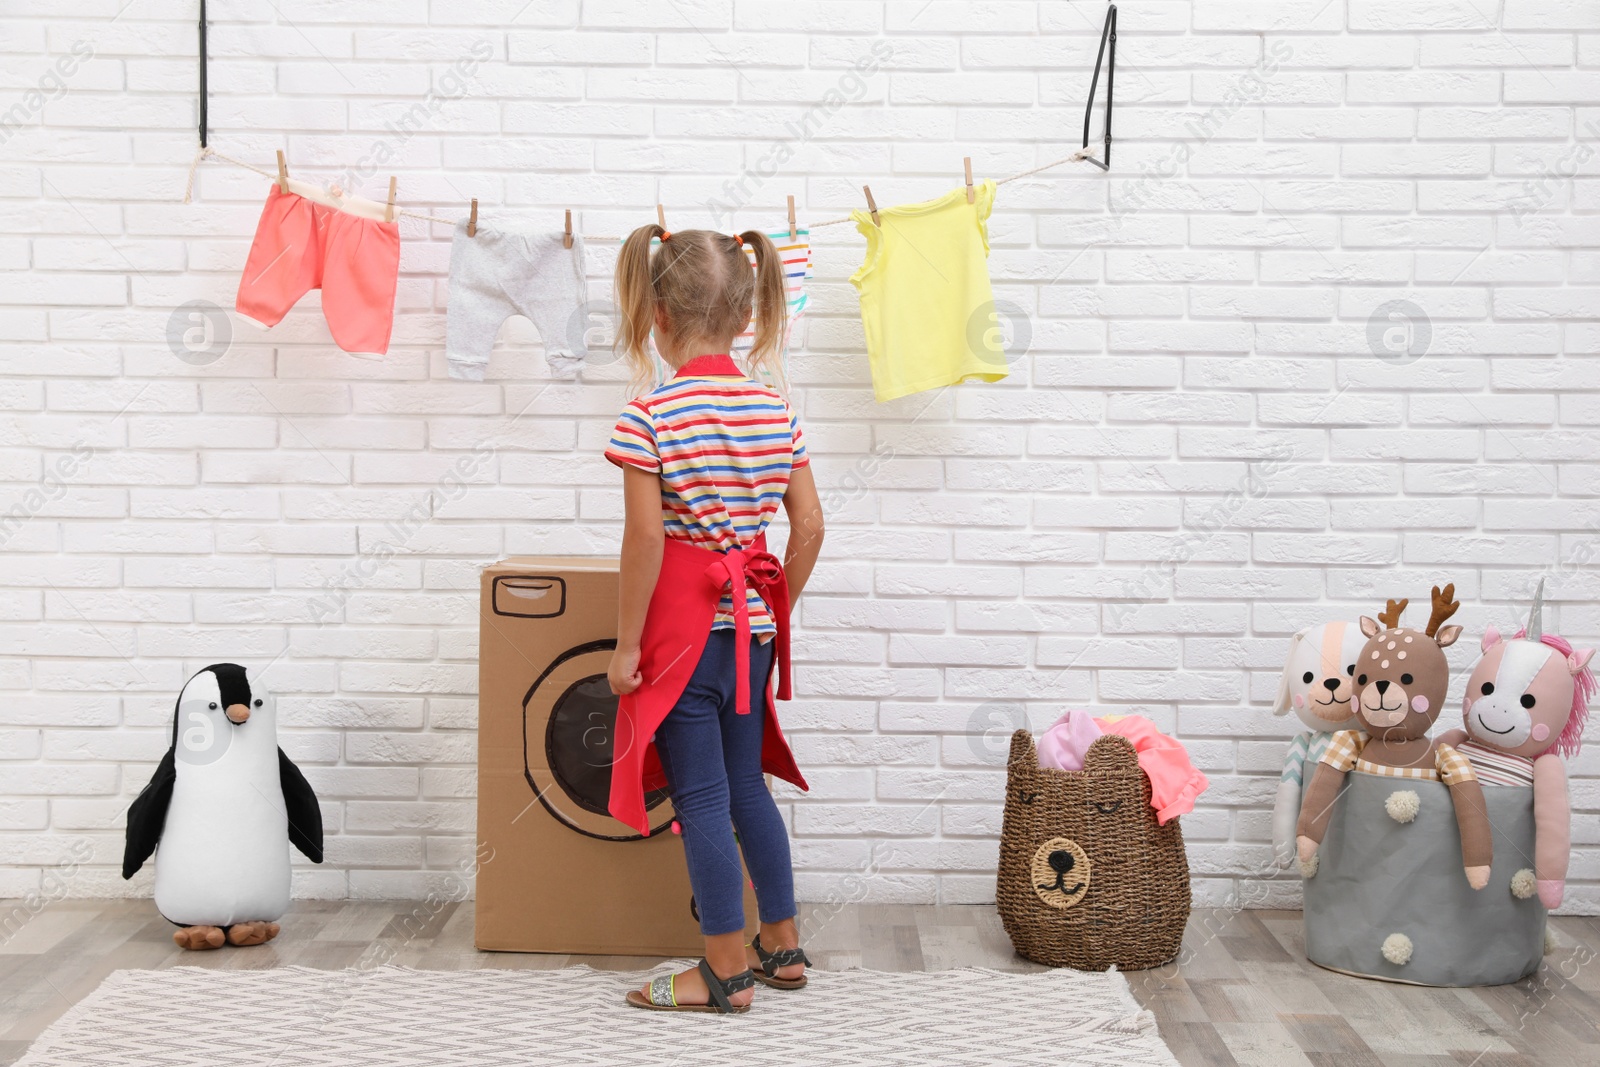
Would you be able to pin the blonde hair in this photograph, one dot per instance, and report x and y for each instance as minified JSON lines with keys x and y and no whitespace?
{"x":702,"y":279}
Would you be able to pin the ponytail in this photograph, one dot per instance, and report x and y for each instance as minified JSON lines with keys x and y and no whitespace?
{"x":701,"y":281}
{"x":771,"y":302}
{"x":636,"y":301}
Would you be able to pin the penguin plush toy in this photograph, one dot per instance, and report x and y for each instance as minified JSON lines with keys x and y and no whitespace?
{"x":220,"y":814}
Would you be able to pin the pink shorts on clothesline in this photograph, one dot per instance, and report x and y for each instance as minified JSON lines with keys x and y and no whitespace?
{"x":301,"y":245}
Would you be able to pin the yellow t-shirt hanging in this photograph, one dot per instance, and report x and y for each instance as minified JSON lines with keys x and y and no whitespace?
{"x":926,"y":303}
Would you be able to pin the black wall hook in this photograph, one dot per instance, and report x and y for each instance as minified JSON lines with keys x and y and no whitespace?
{"x":203,"y":93}
{"x":1108,"y":53}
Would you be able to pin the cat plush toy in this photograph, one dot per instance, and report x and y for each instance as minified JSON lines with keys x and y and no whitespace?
{"x":1401,"y":680}
{"x":1525,"y":707}
{"x":1317,"y":682}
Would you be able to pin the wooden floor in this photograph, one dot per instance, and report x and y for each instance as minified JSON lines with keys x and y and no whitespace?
{"x":1241,"y":993}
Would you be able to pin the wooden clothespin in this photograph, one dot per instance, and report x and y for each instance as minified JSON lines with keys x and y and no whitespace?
{"x":283,"y":173}
{"x":566,"y":237}
{"x":972,"y":197}
{"x":793,"y":231}
{"x":388,"y":211}
{"x":661,"y":217}
{"x":472,"y":220}
{"x":872,"y":206}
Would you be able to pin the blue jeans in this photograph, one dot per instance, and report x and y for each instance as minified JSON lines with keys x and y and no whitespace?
{"x":712,"y":758}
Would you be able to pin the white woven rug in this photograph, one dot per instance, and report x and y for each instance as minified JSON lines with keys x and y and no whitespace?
{"x":404,"y":1018}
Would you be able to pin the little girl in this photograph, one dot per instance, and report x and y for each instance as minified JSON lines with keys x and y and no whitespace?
{"x":704,"y":608}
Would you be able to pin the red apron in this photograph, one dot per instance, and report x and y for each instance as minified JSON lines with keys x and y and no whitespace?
{"x":676,"y":628}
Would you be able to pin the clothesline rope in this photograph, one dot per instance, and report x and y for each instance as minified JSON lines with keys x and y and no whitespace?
{"x":208,"y":152}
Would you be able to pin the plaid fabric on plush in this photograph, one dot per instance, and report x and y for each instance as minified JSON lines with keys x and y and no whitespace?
{"x":1344,"y":748}
{"x":1454,"y":768}
{"x":1344,"y":754}
{"x":1422,"y":774}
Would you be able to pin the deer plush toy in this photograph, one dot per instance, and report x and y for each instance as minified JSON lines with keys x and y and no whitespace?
{"x":1317,"y":683}
{"x":1525,"y":707}
{"x":1401,"y":680}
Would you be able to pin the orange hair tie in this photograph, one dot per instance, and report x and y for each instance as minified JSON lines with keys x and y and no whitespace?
{"x":666,"y":235}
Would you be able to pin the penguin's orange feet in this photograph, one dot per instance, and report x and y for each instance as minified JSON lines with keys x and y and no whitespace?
{"x":197,"y":938}
{"x":251,"y":933}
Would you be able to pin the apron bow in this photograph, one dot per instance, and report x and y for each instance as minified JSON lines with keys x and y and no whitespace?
{"x":736,"y":570}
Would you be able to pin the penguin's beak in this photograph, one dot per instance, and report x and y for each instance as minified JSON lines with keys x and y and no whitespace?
{"x":238,"y":713}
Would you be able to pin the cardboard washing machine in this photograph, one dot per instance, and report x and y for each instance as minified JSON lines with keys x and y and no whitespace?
{"x":556,"y":872}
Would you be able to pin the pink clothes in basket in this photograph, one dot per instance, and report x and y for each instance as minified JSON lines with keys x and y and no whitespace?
{"x":1064,"y":745}
{"x":1175,"y":784}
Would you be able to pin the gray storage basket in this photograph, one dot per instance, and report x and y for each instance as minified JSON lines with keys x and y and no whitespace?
{"x":1378,"y":877}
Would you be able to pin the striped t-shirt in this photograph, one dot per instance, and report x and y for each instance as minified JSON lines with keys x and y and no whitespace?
{"x":1495,"y":767}
{"x":724,"y":447}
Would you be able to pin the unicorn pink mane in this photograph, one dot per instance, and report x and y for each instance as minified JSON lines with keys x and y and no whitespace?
{"x":1570,"y":740}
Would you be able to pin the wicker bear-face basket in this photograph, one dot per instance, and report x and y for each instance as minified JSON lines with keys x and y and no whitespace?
{"x":1087,"y":878}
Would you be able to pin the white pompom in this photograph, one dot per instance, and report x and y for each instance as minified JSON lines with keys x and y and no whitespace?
{"x":1308,"y":868}
{"x":1403,"y":805}
{"x":1397,"y":949}
{"x":1523,"y":884}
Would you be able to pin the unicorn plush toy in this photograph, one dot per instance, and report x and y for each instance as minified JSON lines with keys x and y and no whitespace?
{"x":1525,"y":707}
{"x":1317,"y":682}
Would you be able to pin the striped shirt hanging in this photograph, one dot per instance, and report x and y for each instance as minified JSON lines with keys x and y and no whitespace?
{"x":724,"y":447}
{"x":796,"y":255}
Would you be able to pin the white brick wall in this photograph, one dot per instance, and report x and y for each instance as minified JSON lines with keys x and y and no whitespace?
{"x":1199,"y":453}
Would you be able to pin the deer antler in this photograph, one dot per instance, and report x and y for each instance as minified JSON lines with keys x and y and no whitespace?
{"x":1390,"y":617}
{"x":1444,"y":606}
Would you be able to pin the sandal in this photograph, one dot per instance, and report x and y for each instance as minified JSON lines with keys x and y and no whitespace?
{"x":663,"y":997}
{"x":772,"y":961}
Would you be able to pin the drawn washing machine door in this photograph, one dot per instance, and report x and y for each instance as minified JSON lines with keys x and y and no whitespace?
{"x":569,"y":721}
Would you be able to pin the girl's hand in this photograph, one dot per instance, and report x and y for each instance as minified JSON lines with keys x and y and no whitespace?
{"x":623,"y":674}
